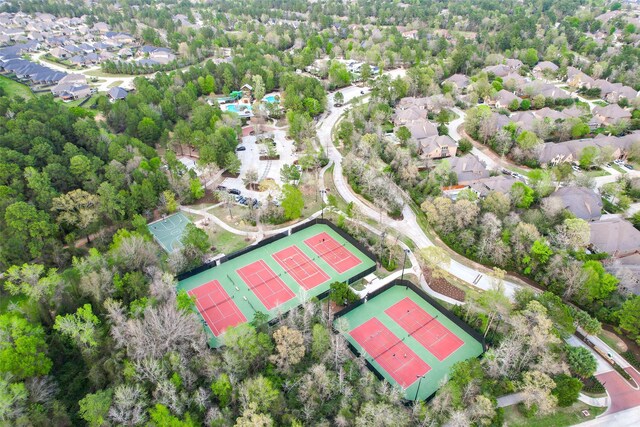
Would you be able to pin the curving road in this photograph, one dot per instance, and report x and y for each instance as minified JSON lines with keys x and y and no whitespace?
{"x":408,"y":226}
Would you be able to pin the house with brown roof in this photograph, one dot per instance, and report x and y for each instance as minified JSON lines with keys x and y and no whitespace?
{"x":578,"y":79}
{"x":504,"y":98}
{"x":437,"y":147}
{"x":583,"y":202}
{"x":611,"y":114}
{"x":544,"y":68}
{"x":468,"y":168}
{"x":411,"y":114}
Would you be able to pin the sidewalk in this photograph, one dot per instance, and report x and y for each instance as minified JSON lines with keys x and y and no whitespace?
{"x":600,"y":402}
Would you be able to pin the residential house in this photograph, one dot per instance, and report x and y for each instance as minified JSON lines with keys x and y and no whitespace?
{"x":569,"y":151}
{"x":611,"y":114}
{"x":437,"y":147}
{"x":615,"y":236}
{"x":59,"y":53}
{"x":499,"y":184}
{"x":514,"y":64}
{"x":578,"y":79}
{"x":544,"y":68}
{"x":100,"y":27}
{"x":76,"y":91}
{"x":468,"y":168}
{"x":411,"y":35}
{"x":583,"y":202}
{"x":162,"y":56}
{"x":421,"y":129}
{"x":504,"y":98}
{"x":116,"y":93}
{"x":499,"y":70}
{"x":513,"y":80}
{"x":459,"y":81}
{"x":413,"y":113}
{"x":67,"y":82}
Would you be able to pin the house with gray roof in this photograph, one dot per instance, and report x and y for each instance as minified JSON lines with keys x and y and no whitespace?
{"x":499,"y":184}
{"x":615,"y":236}
{"x":459,"y":81}
{"x":468,"y":168}
{"x":583,"y":202}
{"x":116,"y":93}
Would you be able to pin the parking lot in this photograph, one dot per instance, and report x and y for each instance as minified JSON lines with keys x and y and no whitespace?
{"x":250,"y":159}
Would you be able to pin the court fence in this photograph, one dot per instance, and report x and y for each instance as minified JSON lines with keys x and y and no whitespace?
{"x":405,"y":283}
{"x":447,"y":313}
{"x":362,"y":248}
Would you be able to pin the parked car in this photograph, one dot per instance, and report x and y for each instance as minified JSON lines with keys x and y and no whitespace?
{"x":618,"y":162}
{"x":221,"y":188}
{"x":506,"y":171}
{"x":255,"y":203}
{"x":234,"y":191}
{"x":628,"y":166}
{"x":241,"y":148}
{"x":575,"y":168}
{"x":244,"y":201}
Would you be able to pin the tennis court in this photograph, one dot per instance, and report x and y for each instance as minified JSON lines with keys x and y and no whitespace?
{"x":168,"y":231}
{"x":398,"y":321}
{"x":216,"y":307}
{"x":335,"y":254}
{"x":425,"y":328}
{"x":300,"y":267}
{"x":269,"y":288}
{"x":274,"y":278}
{"x":390,"y":352}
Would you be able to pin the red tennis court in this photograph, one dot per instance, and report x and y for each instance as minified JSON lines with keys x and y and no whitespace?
{"x":300,"y":267}
{"x":426,"y":329}
{"x":216,"y":307}
{"x":268,"y":287}
{"x":393,"y":355}
{"x":336,"y":255}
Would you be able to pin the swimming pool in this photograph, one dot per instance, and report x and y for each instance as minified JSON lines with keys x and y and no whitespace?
{"x":239,"y":108}
{"x":271,"y":99}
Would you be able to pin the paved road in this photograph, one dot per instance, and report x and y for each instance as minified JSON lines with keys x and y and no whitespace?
{"x":408,"y":226}
{"x":626,"y":418}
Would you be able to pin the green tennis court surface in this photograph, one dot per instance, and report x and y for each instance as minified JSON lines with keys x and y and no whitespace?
{"x":169,"y":231}
{"x":405,"y":338}
{"x":274,"y":278}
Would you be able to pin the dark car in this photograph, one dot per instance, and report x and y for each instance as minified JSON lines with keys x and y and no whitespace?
{"x":243,"y":201}
{"x":234,"y":191}
{"x":255,"y":203}
{"x":361,"y":92}
{"x":221,"y":188}
{"x":628,"y":166}
{"x":241,"y":148}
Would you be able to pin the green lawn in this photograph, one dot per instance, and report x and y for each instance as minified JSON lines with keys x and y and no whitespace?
{"x":562,"y":417}
{"x":226,"y":242}
{"x":596,"y":173}
{"x":13,"y":88}
{"x":619,"y":168}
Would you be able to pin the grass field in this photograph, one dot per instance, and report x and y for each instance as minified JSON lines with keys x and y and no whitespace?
{"x":246,"y":280}
{"x":449,"y":345}
{"x":13,"y":88}
{"x":561,"y":418}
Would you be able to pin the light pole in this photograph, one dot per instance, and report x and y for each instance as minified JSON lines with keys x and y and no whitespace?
{"x":329,"y":307}
{"x":406,"y":251}
{"x":418,"y":389}
{"x":322,"y":193}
